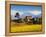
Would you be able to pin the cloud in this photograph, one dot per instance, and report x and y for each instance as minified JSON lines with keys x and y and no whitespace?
{"x":23,"y":13}
{"x":13,"y":12}
{"x":35,"y":12}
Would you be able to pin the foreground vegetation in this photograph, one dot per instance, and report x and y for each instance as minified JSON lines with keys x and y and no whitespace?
{"x":24,"y":27}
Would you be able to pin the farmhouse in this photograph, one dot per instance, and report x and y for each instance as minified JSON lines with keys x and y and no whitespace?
{"x":28,"y":19}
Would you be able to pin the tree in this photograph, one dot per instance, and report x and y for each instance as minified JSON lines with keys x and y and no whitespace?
{"x":17,"y":15}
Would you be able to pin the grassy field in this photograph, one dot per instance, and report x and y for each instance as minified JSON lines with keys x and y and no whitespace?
{"x":22,"y":27}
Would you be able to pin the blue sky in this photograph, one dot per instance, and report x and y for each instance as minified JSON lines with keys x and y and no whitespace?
{"x":23,"y":10}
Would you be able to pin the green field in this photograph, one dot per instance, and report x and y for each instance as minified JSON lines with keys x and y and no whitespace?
{"x":22,"y":27}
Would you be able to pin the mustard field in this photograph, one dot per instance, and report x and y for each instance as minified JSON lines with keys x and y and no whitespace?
{"x":25,"y":27}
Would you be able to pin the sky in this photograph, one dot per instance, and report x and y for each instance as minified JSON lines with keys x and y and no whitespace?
{"x":24,"y":10}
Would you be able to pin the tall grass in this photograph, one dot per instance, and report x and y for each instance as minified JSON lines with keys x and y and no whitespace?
{"x":23,"y":28}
